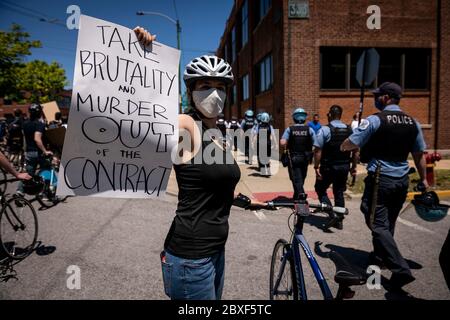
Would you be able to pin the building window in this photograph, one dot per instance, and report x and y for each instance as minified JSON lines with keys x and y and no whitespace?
{"x":410,"y":68}
{"x":262,"y":7}
{"x":245,"y":88}
{"x":417,"y":69}
{"x":333,"y":66}
{"x":233,"y":44}
{"x":390,"y":66}
{"x":264,"y":74}
{"x":244,"y":23}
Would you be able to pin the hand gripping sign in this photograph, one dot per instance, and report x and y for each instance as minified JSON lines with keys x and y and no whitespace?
{"x":123,"y":115}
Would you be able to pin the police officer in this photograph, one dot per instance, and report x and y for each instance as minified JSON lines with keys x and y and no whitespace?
{"x":264,"y":136}
{"x":298,"y":139}
{"x":247,"y":127}
{"x":386,"y":139}
{"x":35,"y":151}
{"x":221,"y":124}
{"x":331,"y":165}
{"x":232,"y":127}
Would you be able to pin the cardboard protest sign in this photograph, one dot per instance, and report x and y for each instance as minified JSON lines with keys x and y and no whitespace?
{"x":123,"y":115}
{"x":56,"y":137}
{"x":49,"y":109}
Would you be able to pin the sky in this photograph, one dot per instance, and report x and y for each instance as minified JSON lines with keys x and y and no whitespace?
{"x":202,"y":22}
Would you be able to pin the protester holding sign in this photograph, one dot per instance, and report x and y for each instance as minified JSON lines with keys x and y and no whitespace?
{"x":193,"y":259}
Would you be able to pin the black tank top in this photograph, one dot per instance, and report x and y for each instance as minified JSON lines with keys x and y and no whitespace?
{"x":205,"y":196}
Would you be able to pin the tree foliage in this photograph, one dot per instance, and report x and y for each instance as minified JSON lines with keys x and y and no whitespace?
{"x":42,"y":80}
{"x":38,"y":78}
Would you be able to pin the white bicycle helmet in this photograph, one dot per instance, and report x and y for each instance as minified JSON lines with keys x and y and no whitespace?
{"x":208,"y":67}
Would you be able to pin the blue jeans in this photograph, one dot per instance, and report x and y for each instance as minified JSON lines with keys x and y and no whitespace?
{"x":188,"y":279}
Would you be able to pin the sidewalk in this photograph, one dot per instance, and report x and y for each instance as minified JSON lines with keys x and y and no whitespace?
{"x":267,"y":188}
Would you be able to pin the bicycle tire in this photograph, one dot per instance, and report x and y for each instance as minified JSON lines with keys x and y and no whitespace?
{"x":288,"y":286}
{"x":16,"y":222}
{"x":47,"y":198}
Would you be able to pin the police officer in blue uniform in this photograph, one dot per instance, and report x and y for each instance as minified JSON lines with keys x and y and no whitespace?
{"x":386,"y":139}
{"x":264,"y":135}
{"x":298,"y":139}
{"x":247,"y":126}
{"x":330,"y":163}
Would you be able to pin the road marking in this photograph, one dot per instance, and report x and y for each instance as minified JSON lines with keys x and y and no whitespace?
{"x":414,"y":226}
{"x":260,"y":215}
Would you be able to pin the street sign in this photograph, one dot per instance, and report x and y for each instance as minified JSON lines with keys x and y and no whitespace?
{"x":298,"y":9}
{"x":367,"y":67}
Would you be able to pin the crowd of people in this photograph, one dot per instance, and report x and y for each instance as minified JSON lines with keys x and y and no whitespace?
{"x":193,"y":259}
{"x":24,"y":137}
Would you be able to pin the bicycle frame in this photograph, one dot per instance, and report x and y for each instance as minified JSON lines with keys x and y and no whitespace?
{"x":298,"y":241}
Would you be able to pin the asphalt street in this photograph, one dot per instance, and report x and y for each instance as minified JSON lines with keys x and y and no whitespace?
{"x":116,"y":245}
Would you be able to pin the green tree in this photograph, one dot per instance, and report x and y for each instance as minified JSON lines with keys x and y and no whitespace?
{"x":39,"y":79}
{"x":42,"y":80}
{"x":14,"y":46}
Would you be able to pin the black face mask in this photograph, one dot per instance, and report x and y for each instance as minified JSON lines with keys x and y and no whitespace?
{"x":378,"y":104}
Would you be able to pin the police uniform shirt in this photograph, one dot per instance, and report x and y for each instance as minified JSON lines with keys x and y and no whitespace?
{"x":324,"y":133}
{"x":368,"y":127}
{"x":287,"y":133}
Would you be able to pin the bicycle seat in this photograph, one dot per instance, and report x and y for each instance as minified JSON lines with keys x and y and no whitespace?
{"x":345,"y":275}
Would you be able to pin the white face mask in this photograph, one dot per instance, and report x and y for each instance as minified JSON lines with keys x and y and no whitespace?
{"x":209,"y":102}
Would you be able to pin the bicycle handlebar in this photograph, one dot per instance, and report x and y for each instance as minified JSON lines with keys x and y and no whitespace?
{"x":322,"y":207}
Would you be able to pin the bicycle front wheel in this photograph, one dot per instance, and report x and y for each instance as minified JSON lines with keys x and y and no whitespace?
{"x":18,"y":228}
{"x":283,"y":282}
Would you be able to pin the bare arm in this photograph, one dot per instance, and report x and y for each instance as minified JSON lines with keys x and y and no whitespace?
{"x":317,"y":157}
{"x":421,"y":165}
{"x":283,"y":143}
{"x":355,"y":159}
{"x":347,"y":145}
{"x":40,"y":145}
{"x":5,"y":164}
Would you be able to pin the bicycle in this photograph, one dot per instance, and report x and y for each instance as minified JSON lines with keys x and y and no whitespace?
{"x":18,"y":222}
{"x":48,"y":172}
{"x":290,"y":283}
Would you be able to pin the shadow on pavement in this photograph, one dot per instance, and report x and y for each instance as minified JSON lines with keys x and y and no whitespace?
{"x":7,"y":264}
{"x":357,"y":260}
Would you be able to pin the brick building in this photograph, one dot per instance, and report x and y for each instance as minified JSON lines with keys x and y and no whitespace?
{"x":282,"y":62}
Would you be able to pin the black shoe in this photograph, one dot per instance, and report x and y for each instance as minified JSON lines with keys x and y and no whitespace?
{"x":339,"y":225}
{"x":376,"y":261}
{"x":398,"y":280}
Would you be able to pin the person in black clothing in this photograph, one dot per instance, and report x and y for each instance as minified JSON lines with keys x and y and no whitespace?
{"x":298,"y":139}
{"x":386,"y":139}
{"x":193,"y":259}
{"x":57,"y":122}
{"x":247,"y":127}
{"x":222,"y":126}
{"x":265,"y":140}
{"x":15,"y":133}
{"x":330,"y":163}
{"x":35,"y":151}
{"x":232,"y":127}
